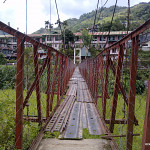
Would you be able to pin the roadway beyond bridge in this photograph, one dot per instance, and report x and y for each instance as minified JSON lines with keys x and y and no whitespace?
{"x":75,"y":113}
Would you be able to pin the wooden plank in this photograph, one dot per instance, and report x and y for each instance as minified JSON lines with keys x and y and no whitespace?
{"x":94,"y":126}
{"x":72,"y":90}
{"x":56,"y":115}
{"x":64,"y":115}
{"x":73,"y":124}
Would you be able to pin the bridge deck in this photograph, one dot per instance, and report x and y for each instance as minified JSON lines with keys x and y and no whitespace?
{"x":76,"y":112}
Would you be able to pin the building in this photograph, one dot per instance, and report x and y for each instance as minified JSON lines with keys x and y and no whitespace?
{"x":145,"y":41}
{"x":8,"y":53}
{"x":54,"y":39}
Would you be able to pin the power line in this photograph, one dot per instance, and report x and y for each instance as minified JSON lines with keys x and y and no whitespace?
{"x":4,"y":1}
{"x":59,"y":23}
{"x":128,"y":17}
{"x":111,"y":23}
{"x":102,"y":8}
{"x":94,"y":20}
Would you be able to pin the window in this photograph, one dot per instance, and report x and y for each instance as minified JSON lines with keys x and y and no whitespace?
{"x":55,"y":45}
{"x":43,"y":39}
{"x":144,"y":44}
{"x":57,"y":38}
{"x":49,"y":38}
{"x":14,"y":39}
{"x":14,"y":47}
{"x":113,"y":50}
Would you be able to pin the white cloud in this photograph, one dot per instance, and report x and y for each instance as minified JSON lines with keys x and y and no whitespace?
{"x":14,"y":11}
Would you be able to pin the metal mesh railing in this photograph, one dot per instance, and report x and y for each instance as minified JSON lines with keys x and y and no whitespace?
{"x":118,"y":86}
{"x":30,"y":90}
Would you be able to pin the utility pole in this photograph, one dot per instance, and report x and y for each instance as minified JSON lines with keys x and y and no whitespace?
{"x":64,"y":38}
{"x":26,"y":22}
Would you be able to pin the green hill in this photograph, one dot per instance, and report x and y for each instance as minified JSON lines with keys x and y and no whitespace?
{"x":138,"y":15}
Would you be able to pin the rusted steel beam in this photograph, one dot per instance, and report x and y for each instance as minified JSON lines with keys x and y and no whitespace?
{"x":34,"y":84}
{"x":132,"y":91}
{"x":48,"y":83}
{"x":36,"y":67}
{"x":121,"y":88}
{"x":117,"y":121}
{"x":112,"y":136}
{"x":102,"y":84}
{"x":146,"y":129}
{"x":116,"y":88}
{"x":106,"y":85}
{"x":65,"y":74}
{"x":54,"y":82}
{"x":59,"y":78}
{"x":33,"y":119}
{"x":97,"y":78}
{"x":19,"y":92}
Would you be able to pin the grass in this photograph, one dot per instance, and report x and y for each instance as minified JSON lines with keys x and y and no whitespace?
{"x":7,"y":117}
{"x":140,"y":104}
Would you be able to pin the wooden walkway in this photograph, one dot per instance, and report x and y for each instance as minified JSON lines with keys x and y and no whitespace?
{"x":76,"y":112}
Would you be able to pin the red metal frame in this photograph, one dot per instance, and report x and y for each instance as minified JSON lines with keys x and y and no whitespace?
{"x":146,"y":129}
{"x":19,"y":92}
{"x":48,"y":83}
{"x":116,"y":88}
{"x":36,"y":67}
{"x":132,"y":91}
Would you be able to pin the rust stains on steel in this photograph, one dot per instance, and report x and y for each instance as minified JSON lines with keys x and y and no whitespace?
{"x":146,"y":128}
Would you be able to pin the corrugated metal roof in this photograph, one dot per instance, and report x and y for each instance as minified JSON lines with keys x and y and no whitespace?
{"x":104,"y":33}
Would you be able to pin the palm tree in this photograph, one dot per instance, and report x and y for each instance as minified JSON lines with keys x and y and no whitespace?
{"x":65,"y":24}
{"x":46,"y":24}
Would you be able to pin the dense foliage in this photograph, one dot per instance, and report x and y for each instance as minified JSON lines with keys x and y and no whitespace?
{"x":7,"y":77}
{"x":138,"y":15}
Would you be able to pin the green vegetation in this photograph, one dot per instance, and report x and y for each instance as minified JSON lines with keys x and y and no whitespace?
{"x":86,"y":135}
{"x":2,"y":59}
{"x":138,"y":15}
{"x":7,"y":77}
{"x":7,"y":117}
{"x":51,"y":135}
{"x":119,"y":129}
{"x":121,"y":113}
{"x":144,"y":57}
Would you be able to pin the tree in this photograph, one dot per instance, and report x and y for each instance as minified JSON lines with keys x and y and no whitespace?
{"x":46,"y":24}
{"x":86,"y":38}
{"x":2,"y":59}
{"x":68,"y":39}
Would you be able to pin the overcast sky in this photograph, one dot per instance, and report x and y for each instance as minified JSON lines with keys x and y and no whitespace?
{"x":14,"y":11}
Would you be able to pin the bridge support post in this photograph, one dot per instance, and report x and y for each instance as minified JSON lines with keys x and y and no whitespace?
{"x":97,"y":77}
{"x":59,"y":78}
{"x":54,"y":82}
{"x":116,"y":88}
{"x":146,"y":129}
{"x":19,"y":92}
{"x":132,"y":91}
{"x":102,"y":83}
{"x":106,"y":85}
{"x":36,"y":66}
{"x":48,"y":83}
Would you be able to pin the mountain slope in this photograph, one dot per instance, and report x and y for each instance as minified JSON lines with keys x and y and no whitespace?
{"x":138,"y":15}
